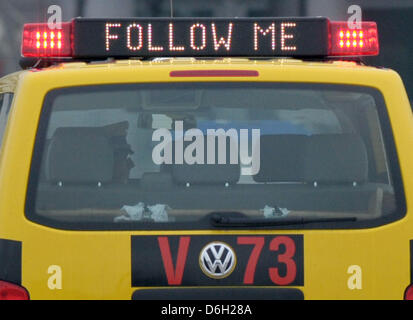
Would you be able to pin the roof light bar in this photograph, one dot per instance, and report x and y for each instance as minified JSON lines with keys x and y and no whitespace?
{"x":85,"y":38}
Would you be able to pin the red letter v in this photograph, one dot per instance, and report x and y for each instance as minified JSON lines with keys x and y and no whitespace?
{"x":174,"y":276}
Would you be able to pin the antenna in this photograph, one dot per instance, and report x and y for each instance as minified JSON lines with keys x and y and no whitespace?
{"x":172,"y":8}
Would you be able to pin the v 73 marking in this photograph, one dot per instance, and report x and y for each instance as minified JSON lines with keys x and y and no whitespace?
{"x":238,"y":260}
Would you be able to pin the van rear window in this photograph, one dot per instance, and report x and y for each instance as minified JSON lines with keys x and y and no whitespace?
{"x":214,"y":155}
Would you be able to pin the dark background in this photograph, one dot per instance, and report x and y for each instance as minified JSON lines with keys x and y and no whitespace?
{"x":394,"y":19}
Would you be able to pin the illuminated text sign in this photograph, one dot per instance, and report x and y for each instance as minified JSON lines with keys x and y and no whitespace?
{"x":164,"y":37}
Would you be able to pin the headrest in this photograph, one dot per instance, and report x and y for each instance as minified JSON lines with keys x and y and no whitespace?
{"x":317,"y":158}
{"x":281,"y":158}
{"x":156,"y":181}
{"x":335,"y":158}
{"x":80,"y":154}
{"x":207,"y":173}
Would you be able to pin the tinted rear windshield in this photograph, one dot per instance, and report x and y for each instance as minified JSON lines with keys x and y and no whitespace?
{"x":183,"y":155}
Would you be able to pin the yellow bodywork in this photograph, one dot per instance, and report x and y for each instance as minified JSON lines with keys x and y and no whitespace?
{"x":97,"y":264}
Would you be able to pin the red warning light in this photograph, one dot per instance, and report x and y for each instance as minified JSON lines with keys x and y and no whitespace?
{"x":353,"y":42}
{"x":40,"y":41}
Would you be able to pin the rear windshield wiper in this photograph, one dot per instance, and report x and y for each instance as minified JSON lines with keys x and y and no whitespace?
{"x":220,"y":220}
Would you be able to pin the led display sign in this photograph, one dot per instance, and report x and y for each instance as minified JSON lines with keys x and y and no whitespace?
{"x":191,"y":37}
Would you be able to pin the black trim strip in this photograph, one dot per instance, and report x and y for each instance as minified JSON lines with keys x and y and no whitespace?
{"x":219,"y":294}
{"x":11,"y":261}
{"x":411,"y":261}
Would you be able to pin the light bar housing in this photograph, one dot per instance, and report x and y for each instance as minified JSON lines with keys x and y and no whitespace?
{"x":85,"y":38}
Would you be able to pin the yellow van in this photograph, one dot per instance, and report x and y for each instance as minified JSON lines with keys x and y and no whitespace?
{"x":204,"y":159}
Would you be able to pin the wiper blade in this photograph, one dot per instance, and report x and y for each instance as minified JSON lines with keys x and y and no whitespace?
{"x":220,"y":220}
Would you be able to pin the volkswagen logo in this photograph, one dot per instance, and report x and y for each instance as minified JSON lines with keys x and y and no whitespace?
{"x":217,"y":260}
